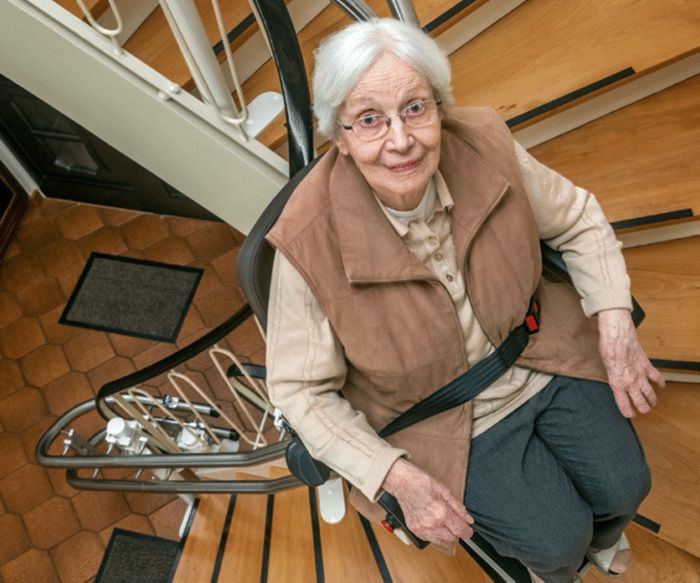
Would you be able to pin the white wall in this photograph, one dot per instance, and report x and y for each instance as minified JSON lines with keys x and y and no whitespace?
{"x":181,"y":140}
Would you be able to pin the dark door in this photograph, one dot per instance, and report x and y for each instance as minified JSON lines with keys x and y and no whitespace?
{"x":69,"y":162}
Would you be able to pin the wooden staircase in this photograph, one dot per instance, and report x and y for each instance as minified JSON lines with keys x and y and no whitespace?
{"x":281,"y":539}
{"x":543,"y":61}
{"x":640,"y":160}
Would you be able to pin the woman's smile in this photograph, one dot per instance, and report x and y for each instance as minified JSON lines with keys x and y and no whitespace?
{"x":404,"y":167}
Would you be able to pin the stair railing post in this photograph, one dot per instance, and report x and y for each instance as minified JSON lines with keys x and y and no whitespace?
{"x":110,"y":33}
{"x":404,"y":11}
{"x":356,"y":9}
{"x":191,"y":37}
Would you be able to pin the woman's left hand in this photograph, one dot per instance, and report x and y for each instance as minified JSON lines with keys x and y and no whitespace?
{"x":630,"y":373}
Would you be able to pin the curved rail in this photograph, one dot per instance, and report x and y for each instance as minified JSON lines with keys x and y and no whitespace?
{"x":271,"y":486}
{"x":179,"y":460}
{"x":90,"y":460}
{"x":356,"y":9}
{"x":276,"y":25}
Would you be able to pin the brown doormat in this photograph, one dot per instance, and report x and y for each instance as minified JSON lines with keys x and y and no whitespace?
{"x":131,"y":296}
{"x":133,"y":557}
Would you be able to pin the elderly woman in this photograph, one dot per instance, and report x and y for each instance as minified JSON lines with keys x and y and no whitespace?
{"x":406,"y":256}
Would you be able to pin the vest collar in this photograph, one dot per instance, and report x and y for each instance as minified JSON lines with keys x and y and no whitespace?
{"x":370,"y":248}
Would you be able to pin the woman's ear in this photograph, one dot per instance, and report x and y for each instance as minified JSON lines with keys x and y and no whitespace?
{"x":341,"y":143}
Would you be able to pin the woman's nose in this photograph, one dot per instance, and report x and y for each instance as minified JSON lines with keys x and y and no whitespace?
{"x":398,"y":134}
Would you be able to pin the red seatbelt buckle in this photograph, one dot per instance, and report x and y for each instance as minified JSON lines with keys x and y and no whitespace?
{"x":386,"y":525}
{"x":532,"y":318}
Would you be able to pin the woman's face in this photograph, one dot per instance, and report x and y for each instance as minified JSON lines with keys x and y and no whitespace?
{"x":398,"y":165}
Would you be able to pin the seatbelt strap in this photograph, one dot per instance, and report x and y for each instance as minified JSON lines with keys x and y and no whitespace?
{"x":473,"y":381}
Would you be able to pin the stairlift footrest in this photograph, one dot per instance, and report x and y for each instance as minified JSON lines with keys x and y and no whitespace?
{"x":331,"y":500}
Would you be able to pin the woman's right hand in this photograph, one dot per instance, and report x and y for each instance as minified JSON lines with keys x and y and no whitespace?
{"x":430,"y":510}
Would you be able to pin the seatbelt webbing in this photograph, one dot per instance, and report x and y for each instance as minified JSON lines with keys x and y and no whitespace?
{"x":467,"y":385}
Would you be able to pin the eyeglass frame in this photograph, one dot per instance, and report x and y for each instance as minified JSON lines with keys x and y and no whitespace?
{"x":389,"y":118}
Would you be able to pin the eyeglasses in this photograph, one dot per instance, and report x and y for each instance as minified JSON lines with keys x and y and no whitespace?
{"x":373,"y":126}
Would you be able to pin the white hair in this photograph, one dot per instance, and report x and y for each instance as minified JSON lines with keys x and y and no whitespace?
{"x":344,"y":56}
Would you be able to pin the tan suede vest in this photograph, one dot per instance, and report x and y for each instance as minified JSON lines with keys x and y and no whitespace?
{"x":396,"y":321}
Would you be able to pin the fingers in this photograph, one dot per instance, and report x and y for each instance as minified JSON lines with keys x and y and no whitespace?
{"x":643,"y":398}
{"x":458,"y":508}
{"x":622,"y":401}
{"x":430,"y":509}
{"x":655,"y":376}
{"x":639,"y":393}
{"x":458,"y":526}
{"x":648,"y":394}
{"x":441,"y":519}
{"x":458,"y":520}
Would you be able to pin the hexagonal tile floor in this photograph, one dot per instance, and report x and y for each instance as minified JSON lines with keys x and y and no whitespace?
{"x":48,"y":531}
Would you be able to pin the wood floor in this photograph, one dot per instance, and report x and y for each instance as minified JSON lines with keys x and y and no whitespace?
{"x":545,"y":49}
{"x":640,"y":160}
{"x":251,"y":547}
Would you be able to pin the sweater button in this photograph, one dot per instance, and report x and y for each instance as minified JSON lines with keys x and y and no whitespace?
{"x":439,"y":256}
{"x":433,"y":240}
{"x":449,"y":277}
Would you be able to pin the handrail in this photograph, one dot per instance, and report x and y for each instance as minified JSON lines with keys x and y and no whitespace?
{"x":278,"y":29}
{"x":356,"y":9}
{"x":178,"y":460}
{"x":404,"y":11}
{"x":271,"y":486}
{"x":155,"y":462}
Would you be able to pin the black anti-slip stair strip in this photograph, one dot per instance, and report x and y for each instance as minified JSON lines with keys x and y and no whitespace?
{"x":222,"y":541}
{"x":376,"y":551}
{"x":316,"y":532}
{"x":688,"y":365}
{"x":235,"y":32}
{"x":652,"y":219}
{"x":445,"y":16}
{"x":265,"y":563}
{"x":569,"y":97}
{"x":647,"y":523}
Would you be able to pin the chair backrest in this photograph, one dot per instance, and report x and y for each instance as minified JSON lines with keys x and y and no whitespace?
{"x":254,"y":266}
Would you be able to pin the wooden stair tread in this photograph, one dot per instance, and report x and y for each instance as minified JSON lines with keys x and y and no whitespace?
{"x":669,"y":436}
{"x":291,"y":544}
{"x":242,"y":559}
{"x":155,"y":44}
{"x":666,"y":282}
{"x":96,"y":7}
{"x":199,"y":553}
{"x":426,"y":16}
{"x":639,"y":160}
{"x":346,"y":554}
{"x":653,"y":561}
{"x":538,"y":53}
